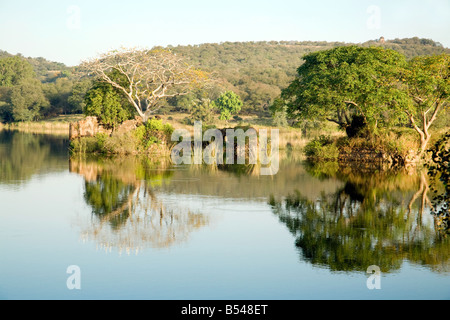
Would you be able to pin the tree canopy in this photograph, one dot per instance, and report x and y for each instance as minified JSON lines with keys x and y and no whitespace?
{"x":13,"y":70}
{"x":256,"y":71}
{"x":340,"y":83}
{"x":228,"y":103}
{"x":151,"y":76}
{"x":108,"y":105}
{"x":427,"y":84}
{"x":27,"y":100}
{"x":367,"y":88}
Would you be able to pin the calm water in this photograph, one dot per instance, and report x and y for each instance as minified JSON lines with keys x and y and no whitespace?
{"x":143,"y":229}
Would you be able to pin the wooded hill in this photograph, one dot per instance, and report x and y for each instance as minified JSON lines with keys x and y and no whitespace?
{"x":46,"y":71}
{"x":256,"y":71}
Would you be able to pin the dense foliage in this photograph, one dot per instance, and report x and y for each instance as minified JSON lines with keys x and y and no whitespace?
{"x":229,"y":103}
{"x":364,"y":89}
{"x":32,"y":89}
{"x":107,"y":105}
{"x":339,"y":83}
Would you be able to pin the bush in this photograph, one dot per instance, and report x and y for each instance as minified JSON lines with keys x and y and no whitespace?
{"x":322,"y":148}
{"x":203,"y":110}
{"x":279,"y":119}
{"x":153,"y":132}
{"x":154,"y":135}
{"x":88,"y":144}
{"x":394,"y":143}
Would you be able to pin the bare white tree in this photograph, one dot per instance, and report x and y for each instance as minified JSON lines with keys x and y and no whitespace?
{"x":145,"y":76}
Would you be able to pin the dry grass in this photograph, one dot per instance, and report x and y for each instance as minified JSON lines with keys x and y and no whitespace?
{"x":289,"y":138}
{"x":56,"y":125}
{"x":292,"y":139}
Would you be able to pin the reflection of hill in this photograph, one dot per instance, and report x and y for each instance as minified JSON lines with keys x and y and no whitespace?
{"x":24,"y":154}
{"x":374,"y":219}
{"x":127,"y":214}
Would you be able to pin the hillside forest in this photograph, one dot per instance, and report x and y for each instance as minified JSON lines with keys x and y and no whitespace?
{"x":34,"y":89}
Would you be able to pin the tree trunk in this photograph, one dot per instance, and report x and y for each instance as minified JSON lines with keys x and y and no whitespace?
{"x":423,"y":145}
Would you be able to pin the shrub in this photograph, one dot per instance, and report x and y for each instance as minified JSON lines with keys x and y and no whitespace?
{"x":121,"y":143}
{"x":279,"y":119}
{"x":203,"y":110}
{"x":87,"y":145}
{"x":152,"y":136}
{"x":153,"y":132}
{"x":394,"y":143}
{"x":322,"y":148}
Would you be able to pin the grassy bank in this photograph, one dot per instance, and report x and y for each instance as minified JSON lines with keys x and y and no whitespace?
{"x":292,"y":139}
{"x":56,"y":125}
{"x":398,"y":146}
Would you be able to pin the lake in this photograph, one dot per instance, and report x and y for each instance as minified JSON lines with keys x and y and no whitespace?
{"x":140,"y":228}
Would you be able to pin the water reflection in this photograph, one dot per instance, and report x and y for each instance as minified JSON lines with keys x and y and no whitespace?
{"x":127,"y":213}
{"x":375,"y":218}
{"x":23,"y":155}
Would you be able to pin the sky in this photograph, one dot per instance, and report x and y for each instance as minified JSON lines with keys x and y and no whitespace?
{"x":70,"y":31}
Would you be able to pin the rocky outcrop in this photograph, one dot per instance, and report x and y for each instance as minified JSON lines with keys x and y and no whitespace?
{"x":372,"y":157}
{"x":90,"y":126}
{"x":363,"y":156}
{"x":129,"y":125}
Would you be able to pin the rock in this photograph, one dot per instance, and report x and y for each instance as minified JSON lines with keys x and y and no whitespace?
{"x":129,"y":125}
{"x":88,"y":127}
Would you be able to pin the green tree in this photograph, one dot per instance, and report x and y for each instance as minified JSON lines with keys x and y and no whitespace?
{"x":77,"y":97}
{"x":152,"y":76}
{"x":203,"y":110}
{"x":27,"y":100}
{"x":5,"y":107}
{"x":13,"y":70}
{"x":107,"y":104}
{"x":341,"y":83}
{"x":58,"y":93}
{"x":228,"y":104}
{"x":427,"y":83}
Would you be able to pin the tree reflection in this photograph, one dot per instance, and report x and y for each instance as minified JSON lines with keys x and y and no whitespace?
{"x":439,"y":173}
{"x":24,"y":154}
{"x":127,"y":213}
{"x":374,"y":219}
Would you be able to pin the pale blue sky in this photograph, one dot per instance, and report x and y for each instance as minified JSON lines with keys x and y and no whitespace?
{"x":72,"y":30}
